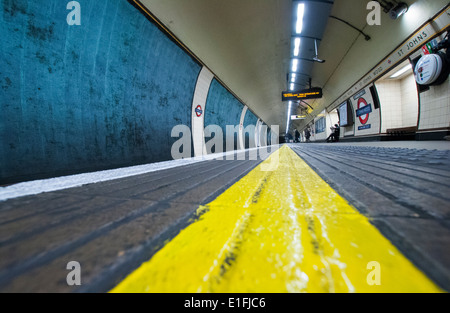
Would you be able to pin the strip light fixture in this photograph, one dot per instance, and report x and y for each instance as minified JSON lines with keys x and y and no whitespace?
{"x":300,"y":14}
{"x":294,"y":65}
{"x":297,"y":42}
{"x":297,"y":47}
{"x":402,"y":71}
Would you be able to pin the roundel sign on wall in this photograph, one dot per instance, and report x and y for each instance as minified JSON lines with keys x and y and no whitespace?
{"x":199,"y":111}
{"x":363,"y":118}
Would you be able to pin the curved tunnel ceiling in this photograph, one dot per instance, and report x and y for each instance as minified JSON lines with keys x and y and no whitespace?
{"x":248,"y":45}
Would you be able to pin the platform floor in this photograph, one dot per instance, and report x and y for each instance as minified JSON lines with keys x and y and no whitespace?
{"x":394,"y":208}
{"x":402,"y":187}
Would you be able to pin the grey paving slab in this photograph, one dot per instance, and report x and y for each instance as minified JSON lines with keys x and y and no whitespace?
{"x":20,"y":208}
{"x":24,"y":228}
{"x":143,"y":181}
{"x":51,"y":235}
{"x":405,"y":144}
{"x":182,"y":187}
{"x":436,"y":185}
{"x":109,"y":256}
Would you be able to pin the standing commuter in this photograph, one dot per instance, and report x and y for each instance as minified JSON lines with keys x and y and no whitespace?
{"x":297,"y":136}
{"x":307,"y":134}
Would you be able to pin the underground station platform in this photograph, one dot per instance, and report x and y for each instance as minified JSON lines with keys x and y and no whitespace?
{"x":319,"y":218}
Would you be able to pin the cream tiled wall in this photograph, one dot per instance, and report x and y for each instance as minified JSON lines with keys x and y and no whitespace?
{"x":435,"y":107}
{"x":332,"y":119}
{"x":390,"y":103}
{"x":410,"y":101}
{"x":399,"y":103}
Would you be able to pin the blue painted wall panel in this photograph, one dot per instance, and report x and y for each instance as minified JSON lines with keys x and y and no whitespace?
{"x":222,"y":109}
{"x":79,"y":98}
{"x":250,"y":119}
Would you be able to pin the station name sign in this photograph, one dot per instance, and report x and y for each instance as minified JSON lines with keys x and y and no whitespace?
{"x":313,"y":93}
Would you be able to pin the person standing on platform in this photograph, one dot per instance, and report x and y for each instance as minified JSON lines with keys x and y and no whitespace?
{"x":307,"y":134}
{"x":297,"y":136}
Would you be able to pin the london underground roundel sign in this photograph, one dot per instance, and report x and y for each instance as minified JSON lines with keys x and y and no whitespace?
{"x":361,"y":104}
{"x":199,"y":111}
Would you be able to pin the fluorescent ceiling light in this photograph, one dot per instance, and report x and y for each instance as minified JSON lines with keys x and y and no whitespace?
{"x":300,"y":14}
{"x":297,"y":47}
{"x":402,"y":71}
{"x":294,"y":76}
{"x":292,"y":87}
{"x":294,"y":65}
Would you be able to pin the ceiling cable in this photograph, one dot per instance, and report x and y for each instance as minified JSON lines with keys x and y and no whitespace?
{"x":366,"y":37}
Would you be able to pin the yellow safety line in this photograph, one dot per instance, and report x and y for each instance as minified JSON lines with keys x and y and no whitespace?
{"x":279,"y":229}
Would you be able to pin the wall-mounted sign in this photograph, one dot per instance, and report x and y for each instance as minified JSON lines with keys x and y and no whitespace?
{"x":428,"y":69}
{"x":320,"y":125}
{"x":363,"y":111}
{"x":313,"y":93}
{"x":199,"y":111}
{"x":367,"y":126}
{"x":359,"y":94}
{"x":345,"y":114}
{"x":429,"y":47}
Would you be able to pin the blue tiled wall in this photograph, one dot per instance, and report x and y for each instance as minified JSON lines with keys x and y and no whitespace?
{"x":82,"y":98}
{"x":250,"y":119}
{"x":222,"y":109}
